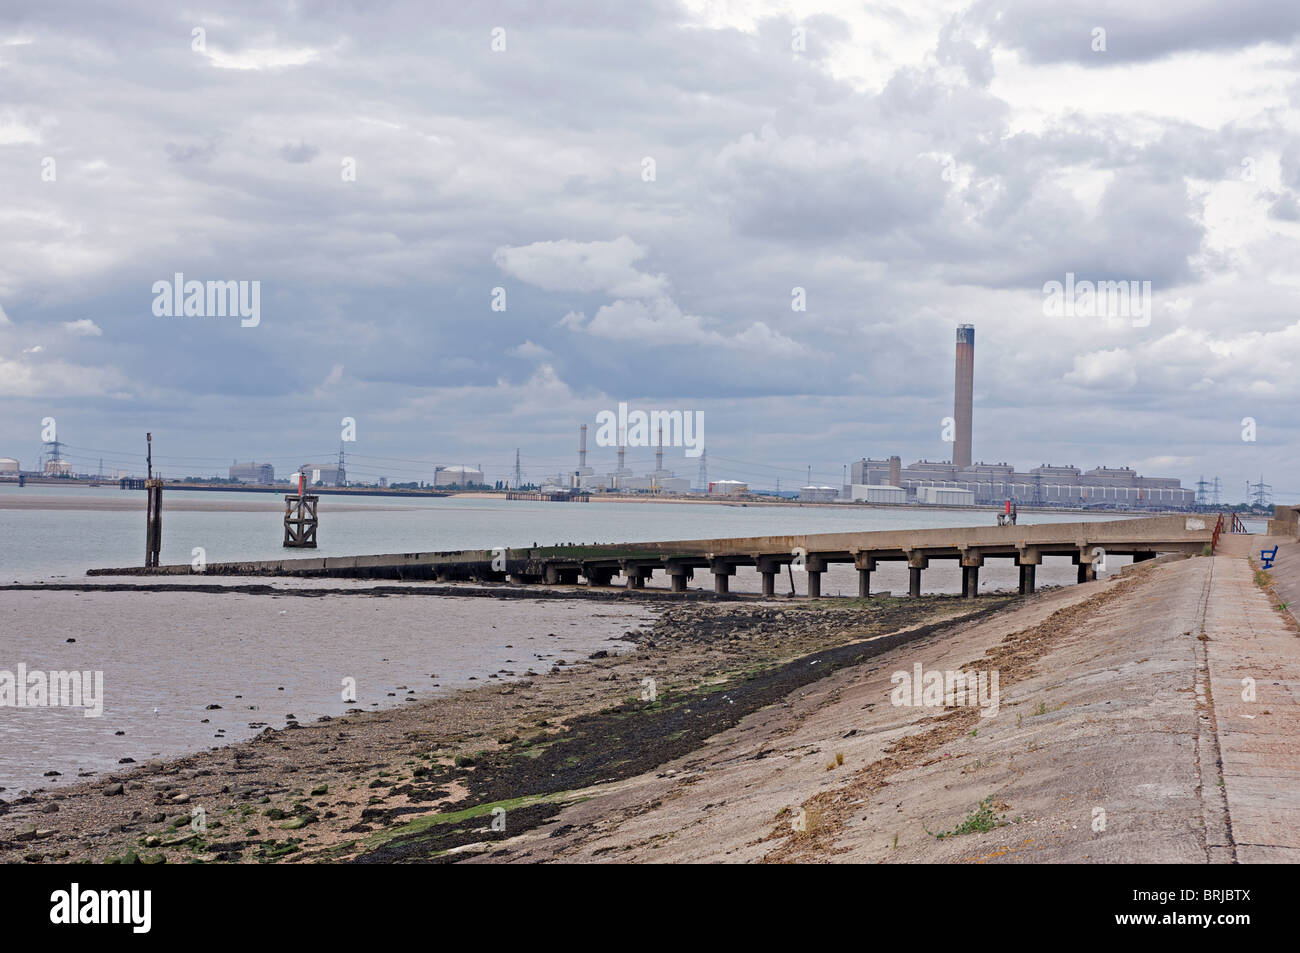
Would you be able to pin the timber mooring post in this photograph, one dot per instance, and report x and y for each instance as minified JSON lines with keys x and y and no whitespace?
{"x":300,"y":519}
{"x":153,"y":511}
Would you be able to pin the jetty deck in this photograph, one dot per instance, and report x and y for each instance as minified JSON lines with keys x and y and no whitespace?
{"x":1086,"y":544}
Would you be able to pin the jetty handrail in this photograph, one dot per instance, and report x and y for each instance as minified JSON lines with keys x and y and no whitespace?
{"x":1218,"y":528}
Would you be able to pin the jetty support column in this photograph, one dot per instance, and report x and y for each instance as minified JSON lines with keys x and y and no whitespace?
{"x":1028,"y":560}
{"x":915,"y":563}
{"x":679,"y":574}
{"x":721,"y":570}
{"x":1083,"y":559}
{"x":971,"y":560}
{"x":636,"y":575}
{"x":815,"y":566}
{"x":865,"y":565}
{"x":768,"y":568}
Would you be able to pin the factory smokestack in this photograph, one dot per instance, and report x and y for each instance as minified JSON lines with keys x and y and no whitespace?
{"x":963,"y":394}
{"x":659,"y":454}
{"x":582,"y":448}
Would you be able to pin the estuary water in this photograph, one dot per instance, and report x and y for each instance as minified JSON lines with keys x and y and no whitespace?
{"x":47,"y":538}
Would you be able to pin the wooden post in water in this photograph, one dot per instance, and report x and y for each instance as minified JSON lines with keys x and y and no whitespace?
{"x":300,"y":519}
{"x":153,"y":511}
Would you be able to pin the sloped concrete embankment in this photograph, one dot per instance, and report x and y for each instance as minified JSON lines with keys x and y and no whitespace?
{"x":1103,"y":749}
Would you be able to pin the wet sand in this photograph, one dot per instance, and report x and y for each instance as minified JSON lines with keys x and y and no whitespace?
{"x":184,"y":670}
{"x":373,"y":771}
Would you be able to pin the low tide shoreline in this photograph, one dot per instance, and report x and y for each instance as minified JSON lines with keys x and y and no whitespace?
{"x":350,"y":787}
{"x":758,"y":731}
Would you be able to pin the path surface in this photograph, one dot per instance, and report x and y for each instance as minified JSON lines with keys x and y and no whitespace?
{"x":1258,"y":720}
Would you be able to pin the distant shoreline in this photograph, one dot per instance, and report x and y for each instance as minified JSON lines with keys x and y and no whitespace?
{"x":920,"y":507}
{"x":130,"y":502}
{"x":243,"y":488}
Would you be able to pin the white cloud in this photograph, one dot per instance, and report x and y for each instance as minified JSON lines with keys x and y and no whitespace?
{"x":16,"y":131}
{"x":58,"y":379}
{"x":643,"y":311}
{"x":530,"y":352}
{"x":660,"y":322}
{"x":331,"y":381}
{"x":1115,"y":368}
{"x":83,"y":328}
{"x":582,"y":267}
{"x":265,"y":57}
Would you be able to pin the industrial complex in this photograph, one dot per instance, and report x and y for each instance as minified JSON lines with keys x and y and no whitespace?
{"x":621,"y":479}
{"x":954,"y":482}
{"x":958,"y":481}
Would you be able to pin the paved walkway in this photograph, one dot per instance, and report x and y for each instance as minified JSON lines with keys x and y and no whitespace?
{"x":1259,"y":734}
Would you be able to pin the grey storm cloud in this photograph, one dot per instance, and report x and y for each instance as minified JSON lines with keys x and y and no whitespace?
{"x":380,"y":170}
{"x":1063,"y":30}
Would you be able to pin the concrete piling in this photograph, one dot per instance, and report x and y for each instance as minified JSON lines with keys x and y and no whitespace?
{"x":864,"y":565}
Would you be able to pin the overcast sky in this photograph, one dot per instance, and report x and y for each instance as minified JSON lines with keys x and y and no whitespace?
{"x":910,"y":166}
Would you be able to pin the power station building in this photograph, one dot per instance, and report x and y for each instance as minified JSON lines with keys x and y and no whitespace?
{"x":994,"y":483}
{"x":323,"y":474}
{"x":621,"y":479}
{"x":457,"y":476}
{"x":252,"y":473}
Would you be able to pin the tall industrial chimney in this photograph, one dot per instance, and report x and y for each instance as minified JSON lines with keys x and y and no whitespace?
{"x":963,"y":394}
{"x":659,"y":454}
{"x":582,"y":448}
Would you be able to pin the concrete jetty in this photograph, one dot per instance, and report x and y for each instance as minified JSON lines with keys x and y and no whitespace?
{"x":1086,"y":544}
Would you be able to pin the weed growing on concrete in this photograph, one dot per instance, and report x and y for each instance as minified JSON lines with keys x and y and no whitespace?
{"x":981,"y":820}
